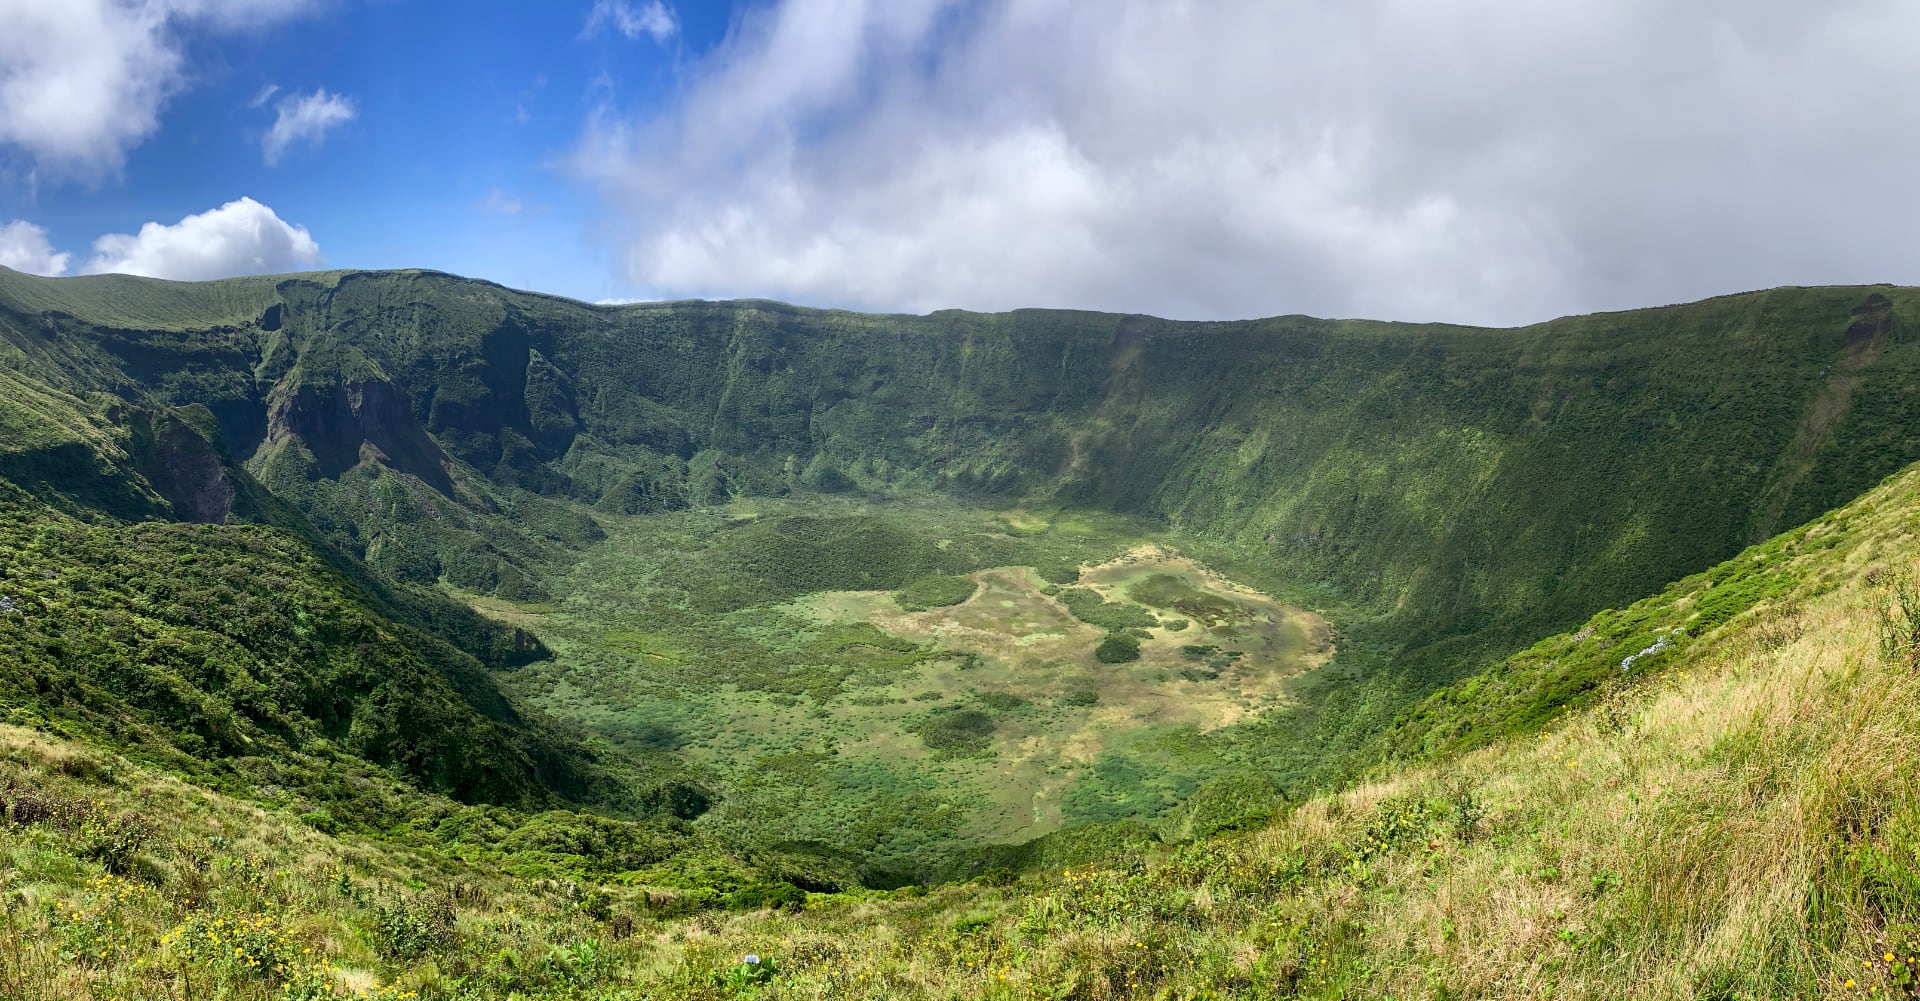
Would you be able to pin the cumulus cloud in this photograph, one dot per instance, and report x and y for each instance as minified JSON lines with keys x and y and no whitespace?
{"x":83,"y":81}
{"x":1471,"y":160}
{"x":24,"y":247}
{"x":305,"y":119}
{"x":653,"y":18}
{"x":241,"y":237}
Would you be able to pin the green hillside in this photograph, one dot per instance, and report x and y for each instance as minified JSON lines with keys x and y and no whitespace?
{"x":1445,"y":473}
{"x":633,"y":613}
{"x":1451,"y":493}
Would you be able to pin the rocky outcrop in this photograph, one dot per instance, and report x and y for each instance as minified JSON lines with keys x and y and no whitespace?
{"x":339,"y":422}
{"x":185,"y":466}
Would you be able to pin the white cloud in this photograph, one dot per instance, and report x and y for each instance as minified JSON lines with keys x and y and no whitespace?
{"x":305,"y":119}
{"x":498,"y":201}
{"x":237,"y":13}
{"x":1474,"y":160}
{"x":24,"y":247}
{"x":241,"y":237}
{"x":83,"y":81}
{"x":266,"y":94}
{"x":621,"y":301}
{"x":653,"y":18}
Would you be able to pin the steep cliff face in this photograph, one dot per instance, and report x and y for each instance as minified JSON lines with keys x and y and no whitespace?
{"x":1458,"y":476}
{"x":185,"y":466}
{"x":343,"y":424}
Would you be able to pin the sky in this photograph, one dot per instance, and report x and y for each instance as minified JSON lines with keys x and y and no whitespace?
{"x":1475,"y":161}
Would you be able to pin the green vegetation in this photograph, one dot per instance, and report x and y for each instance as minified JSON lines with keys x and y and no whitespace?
{"x":789,"y":614}
{"x":1447,"y":494}
{"x":1172,"y":592}
{"x":839,"y":717}
{"x":957,"y":733}
{"x":1117,"y":648}
{"x":1089,"y":607}
{"x":1734,"y":818}
{"x":937,"y":591}
{"x":236,"y":655}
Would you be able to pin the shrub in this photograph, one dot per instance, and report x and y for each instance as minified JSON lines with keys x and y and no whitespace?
{"x":114,"y":841}
{"x":767,"y":896}
{"x":322,"y":821}
{"x":411,"y":928}
{"x":1900,"y":619}
{"x":998,"y":875}
{"x":1087,"y":696}
{"x":1062,"y":572}
{"x":1087,"y":606}
{"x":750,"y":972}
{"x":934,"y":591}
{"x":1117,"y":648}
{"x":955,"y":734}
{"x":1001,"y":702}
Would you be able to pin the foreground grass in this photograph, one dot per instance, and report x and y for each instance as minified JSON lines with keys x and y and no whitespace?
{"x":1742,"y":822}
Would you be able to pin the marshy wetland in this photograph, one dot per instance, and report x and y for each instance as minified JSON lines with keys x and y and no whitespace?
{"x":898,"y":678}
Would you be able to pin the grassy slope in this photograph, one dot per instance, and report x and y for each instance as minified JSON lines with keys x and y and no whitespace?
{"x":1740,"y":819}
{"x":127,"y":301}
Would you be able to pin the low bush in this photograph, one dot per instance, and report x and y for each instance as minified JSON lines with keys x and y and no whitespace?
{"x":1117,"y":648}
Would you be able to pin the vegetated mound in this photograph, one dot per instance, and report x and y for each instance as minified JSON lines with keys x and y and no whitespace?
{"x":935,"y":591}
{"x":773,"y":560}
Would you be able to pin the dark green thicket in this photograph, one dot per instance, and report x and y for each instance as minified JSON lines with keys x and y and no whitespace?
{"x":1117,"y":648}
{"x":1087,"y":606}
{"x":934,"y":591}
{"x":237,"y":653}
{"x":958,"y":732}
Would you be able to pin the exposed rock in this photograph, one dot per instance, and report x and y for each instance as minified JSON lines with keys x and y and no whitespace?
{"x":185,"y":467}
{"x":335,"y":421}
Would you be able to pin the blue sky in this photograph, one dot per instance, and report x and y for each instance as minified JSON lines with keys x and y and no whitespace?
{"x":463,"y":115}
{"x":1489,"y":161}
